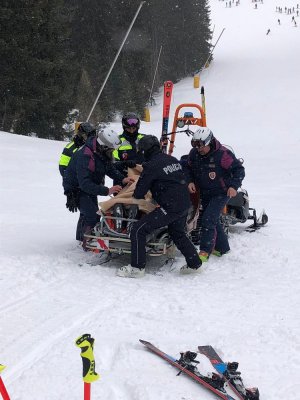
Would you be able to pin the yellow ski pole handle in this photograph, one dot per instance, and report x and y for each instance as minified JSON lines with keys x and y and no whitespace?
{"x":86,"y":343}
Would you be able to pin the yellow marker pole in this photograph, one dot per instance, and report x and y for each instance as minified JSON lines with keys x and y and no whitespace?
{"x":146,"y":114}
{"x":86,"y":344}
{"x":3,"y":390}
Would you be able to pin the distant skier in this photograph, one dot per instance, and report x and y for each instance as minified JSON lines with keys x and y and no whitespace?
{"x":278,"y":21}
{"x":268,"y":31}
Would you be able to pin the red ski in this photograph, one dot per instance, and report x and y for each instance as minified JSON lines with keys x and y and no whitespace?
{"x":186,"y":364}
{"x":168,"y":88}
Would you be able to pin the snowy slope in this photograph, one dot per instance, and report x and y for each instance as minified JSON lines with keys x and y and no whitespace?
{"x":246,"y":304}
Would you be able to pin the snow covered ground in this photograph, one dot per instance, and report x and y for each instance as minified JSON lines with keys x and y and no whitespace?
{"x":245,"y":304}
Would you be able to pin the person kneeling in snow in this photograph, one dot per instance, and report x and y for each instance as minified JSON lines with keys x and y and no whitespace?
{"x":163,"y":176}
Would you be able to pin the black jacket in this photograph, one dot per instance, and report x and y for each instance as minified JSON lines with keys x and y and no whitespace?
{"x":163,"y":176}
{"x":88,"y":169}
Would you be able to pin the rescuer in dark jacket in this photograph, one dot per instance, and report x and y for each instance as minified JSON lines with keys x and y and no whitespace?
{"x":163,"y":176}
{"x":217,"y":173}
{"x":86,"y":175}
{"x":126,"y":154}
{"x":84,"y":130}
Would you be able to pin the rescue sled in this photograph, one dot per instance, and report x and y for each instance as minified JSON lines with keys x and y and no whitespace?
{"x":112,"y":233}
{"x":106,"y":237}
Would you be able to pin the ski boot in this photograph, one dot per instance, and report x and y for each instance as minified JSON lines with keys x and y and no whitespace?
{"x":204,"y":256}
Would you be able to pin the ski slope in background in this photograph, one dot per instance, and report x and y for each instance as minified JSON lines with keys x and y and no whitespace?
{"x":245,"y":304}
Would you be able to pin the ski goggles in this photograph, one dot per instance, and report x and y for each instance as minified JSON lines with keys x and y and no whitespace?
{"x":132,"y":122}
{"x":197,"y":143}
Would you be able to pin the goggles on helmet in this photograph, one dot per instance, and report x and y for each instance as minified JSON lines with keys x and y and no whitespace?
{"x":131,"y":122}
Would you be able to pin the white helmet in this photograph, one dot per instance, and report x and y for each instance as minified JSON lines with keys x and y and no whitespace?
{"x":203,"y":135}
{"x":108,"y":138}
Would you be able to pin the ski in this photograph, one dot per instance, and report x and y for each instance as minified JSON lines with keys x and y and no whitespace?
{"x":230,"y":373}
{"x":185,"y":364}
{"x":168,"y":88}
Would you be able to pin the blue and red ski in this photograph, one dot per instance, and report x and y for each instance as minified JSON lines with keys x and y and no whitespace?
{"x":230,"y":373}
{"x":185,"y":364}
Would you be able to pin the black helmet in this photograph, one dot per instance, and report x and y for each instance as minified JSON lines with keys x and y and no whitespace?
{"x":86,"y":128}
{"x":148,"y":145}
{"x":130,"y":120}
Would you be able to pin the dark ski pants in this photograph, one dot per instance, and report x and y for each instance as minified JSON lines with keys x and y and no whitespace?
{"x":88,"y":205}
{"x":176,"y":227}
{"x":80,"y":227}
{"x":212,"y":233}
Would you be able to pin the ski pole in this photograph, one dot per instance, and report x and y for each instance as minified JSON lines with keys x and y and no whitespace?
{"x":3,"y":390}
{"x":86,"y":344}
{"x":115,"y":59}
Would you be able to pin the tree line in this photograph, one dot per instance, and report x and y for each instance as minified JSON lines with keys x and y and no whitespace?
{"x":55,"y":55}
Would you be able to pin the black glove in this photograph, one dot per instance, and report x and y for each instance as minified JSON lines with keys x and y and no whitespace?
{"x":130,"y":164}
{"x":72,"y":201}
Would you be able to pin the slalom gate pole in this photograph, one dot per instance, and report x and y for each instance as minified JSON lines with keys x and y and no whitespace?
{"x":211,"y":52}
{"x":86,"y":344}
{"x":3,"y":390}
{"x":115,"y":59}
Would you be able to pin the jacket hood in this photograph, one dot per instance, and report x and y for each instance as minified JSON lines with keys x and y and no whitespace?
{"x":215,"y":145}
{"x":91,"y":143}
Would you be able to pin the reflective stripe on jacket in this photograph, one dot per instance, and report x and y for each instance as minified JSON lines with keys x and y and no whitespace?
{"x":126,"y":151}
{"x":66,"y":156}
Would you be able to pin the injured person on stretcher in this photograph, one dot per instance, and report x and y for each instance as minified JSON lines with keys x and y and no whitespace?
{"x":118,"y":214}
